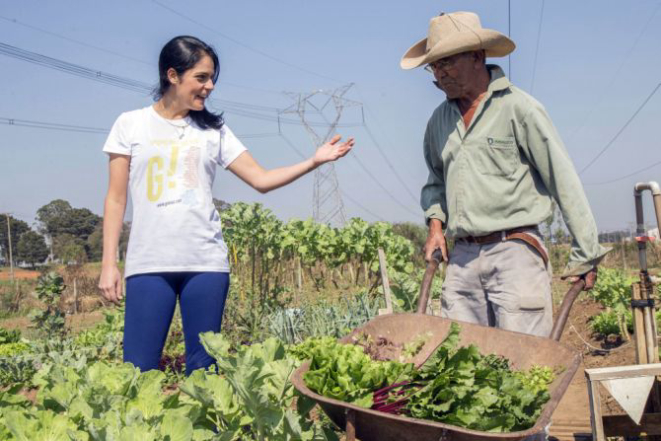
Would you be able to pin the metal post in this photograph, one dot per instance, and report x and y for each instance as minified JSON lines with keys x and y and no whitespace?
{"x":623,"y":249}
{"x":386,"y":283}
{"x":75,"y":297}
{"x":640,"y":230}
{"x":646,"y":333}
{"x":11,"y":258}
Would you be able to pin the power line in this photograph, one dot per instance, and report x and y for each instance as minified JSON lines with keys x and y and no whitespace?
{"x":51,"y":126}
{"x":292,"y":146}
{"x":382,"y":152}
{"x":610,"y":143}
{"x":380,"y":185}
{"x":233,"y":107}
{"x":621,"y":178}
{"x":390,"y":166}
{"x":94,"y":130}
{"x":73,"y":69}
{"x":117,"y":54}
{"x":258,"y":135}
{"x":71,"y":40}
{"x":607,"y":89}
{"x":539,"y":35}
{"x":361,"y":206}
{"x":245,"y":46}
{"x":104,"y":77}
{"x":509,"y":28}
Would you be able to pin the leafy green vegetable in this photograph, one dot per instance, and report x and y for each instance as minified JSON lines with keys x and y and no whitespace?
{"x":345,"y":372}
{"x":9,"y":336}
{"x":456,"y":385}
{"x":537,"y":378}
{"x":462,"y":387}
{"x":253,"y":398}
{"x":414,"y":347}
{"x":13,"y":349}
{"x":16,"y":364}
{"x":100,"y":402}
{"x":50,"y":320}
{"x":611,"y":321}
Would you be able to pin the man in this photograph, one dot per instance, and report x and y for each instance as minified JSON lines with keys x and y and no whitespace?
{"x":495,"y":163}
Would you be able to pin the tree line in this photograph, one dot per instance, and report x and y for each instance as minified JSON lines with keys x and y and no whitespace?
{"x":60,"y":233}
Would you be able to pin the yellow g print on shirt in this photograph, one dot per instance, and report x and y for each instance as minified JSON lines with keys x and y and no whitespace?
{"x":154,"y":180}
{"x":156,"y":177}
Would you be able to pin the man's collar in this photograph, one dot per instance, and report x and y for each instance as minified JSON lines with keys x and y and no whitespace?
{"x":498,"y":79}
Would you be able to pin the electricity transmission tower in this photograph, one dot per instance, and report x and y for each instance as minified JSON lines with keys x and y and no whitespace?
{"x":328,"y":206}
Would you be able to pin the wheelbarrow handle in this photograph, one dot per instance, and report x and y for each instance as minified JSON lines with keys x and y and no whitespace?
{"x":567,"y":303}
{"x":432,"y":266}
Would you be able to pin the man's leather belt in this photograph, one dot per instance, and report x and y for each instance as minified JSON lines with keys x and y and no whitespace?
{"x":519,"y":233}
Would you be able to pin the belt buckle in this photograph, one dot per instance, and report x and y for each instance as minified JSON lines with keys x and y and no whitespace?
{"x":503,"y":236}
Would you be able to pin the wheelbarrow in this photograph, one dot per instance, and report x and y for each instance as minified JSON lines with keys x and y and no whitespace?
{"x":522,"y":350}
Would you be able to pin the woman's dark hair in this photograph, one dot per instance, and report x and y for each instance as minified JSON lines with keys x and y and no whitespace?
{"x":182,"y":53}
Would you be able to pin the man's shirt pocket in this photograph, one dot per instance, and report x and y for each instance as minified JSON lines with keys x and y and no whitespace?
{"x":497,"y":156}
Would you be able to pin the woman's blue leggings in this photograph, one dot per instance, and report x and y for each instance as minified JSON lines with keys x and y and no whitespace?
{"x":150,"y":304}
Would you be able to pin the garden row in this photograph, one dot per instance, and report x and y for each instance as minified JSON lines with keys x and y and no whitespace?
{"x":269,"y":253}
{"x":613,"y":292}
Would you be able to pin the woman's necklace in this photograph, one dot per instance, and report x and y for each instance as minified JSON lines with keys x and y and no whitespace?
{"x":180,"y":124}
{"x":180,"y":129}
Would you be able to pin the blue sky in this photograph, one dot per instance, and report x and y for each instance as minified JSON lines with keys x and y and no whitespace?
{"x":596,"y":61}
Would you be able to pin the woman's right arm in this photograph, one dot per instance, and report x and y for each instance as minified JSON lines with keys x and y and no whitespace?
{"x":110,"y":282}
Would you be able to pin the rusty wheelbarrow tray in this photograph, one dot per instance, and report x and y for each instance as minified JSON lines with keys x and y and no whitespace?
{"x":522,"y":350}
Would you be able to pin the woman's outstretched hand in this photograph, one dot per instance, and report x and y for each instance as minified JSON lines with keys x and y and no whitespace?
{"x":332,"y":150}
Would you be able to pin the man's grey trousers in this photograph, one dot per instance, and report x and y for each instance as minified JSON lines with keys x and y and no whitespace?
{"x":503,"y":284}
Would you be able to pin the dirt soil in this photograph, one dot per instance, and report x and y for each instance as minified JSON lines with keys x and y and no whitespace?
{"x":75,"y":323}
{"x":571,"y":419}
{"x":380,"y":348}
{"x":19,"y":274}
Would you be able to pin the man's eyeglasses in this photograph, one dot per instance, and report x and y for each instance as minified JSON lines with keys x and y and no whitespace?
{"x":445,"y":64}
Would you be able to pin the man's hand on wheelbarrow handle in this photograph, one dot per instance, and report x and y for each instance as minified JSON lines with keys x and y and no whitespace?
{"x":425,"y":286}
{"x":590,"y":279}
{"x":435,"y":242}
{"x":437,"y":255}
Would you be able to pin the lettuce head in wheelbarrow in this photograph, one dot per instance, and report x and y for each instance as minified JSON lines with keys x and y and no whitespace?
{"x":455,"y":385}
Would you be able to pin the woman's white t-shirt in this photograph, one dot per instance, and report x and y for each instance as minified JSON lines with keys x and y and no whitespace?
{"x":175,"y":225}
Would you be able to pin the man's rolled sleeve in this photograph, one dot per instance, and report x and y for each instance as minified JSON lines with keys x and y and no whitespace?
{"x":432,"y":197}
{"x":548,"y":155}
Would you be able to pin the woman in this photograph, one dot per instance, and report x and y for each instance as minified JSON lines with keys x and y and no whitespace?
{"x":167,"y":155}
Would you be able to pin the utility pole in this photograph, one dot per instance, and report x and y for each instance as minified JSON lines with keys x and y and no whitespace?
{"x":509,"y":32}
{"x":327,"y":200}
{"x":11,"y":259}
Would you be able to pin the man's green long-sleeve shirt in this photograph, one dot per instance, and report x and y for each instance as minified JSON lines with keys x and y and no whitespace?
{"x":503,"y":170}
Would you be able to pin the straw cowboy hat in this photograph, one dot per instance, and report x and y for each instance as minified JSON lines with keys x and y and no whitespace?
{"x":454,"y":33}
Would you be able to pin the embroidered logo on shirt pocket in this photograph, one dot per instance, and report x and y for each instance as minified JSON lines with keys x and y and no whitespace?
{"x":500,"y":156}
{"x":507,"y":142}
